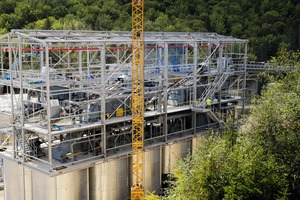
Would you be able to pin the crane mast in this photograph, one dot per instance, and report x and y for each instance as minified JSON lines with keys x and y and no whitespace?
{"x":137,"y":190}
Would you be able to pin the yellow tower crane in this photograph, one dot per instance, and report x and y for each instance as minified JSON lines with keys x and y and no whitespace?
{"x":137,"y":190}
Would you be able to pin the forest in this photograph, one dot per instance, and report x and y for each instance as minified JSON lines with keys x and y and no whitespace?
{"x":260,"y":160}
{"x":268,"y":24}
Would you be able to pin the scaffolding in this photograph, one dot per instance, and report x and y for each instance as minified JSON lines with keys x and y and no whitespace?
{"x":67,"y":101}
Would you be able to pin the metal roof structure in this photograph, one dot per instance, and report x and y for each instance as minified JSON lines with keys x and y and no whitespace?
{"x":120,"y":36}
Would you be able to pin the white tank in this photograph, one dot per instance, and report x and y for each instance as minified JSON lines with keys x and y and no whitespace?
{"x":16,"y":177}
{"x":110,"y":180}
{"x":152,"y":170}
{"x":173,"y":152}
{"x":44,"y":186}
{"x":25,"y":184}
{"x":196,"y":141}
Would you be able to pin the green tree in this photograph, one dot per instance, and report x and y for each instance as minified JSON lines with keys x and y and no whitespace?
{"x":7,"y":6}
{"x":276,"y":118}
{"x":69,"y":22}
{"x":41,"y":24}
{"x":221,"y":169}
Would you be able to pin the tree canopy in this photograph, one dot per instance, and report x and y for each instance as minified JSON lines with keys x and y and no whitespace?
{"x":267,"y":24}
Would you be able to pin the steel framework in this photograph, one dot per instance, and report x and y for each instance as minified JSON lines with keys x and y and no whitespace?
{"x":68,"y":101}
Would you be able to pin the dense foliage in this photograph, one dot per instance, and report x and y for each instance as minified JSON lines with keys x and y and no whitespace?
{"x":267,"y":23}
{"x":261,"y":160}
{"x":276,"y":119}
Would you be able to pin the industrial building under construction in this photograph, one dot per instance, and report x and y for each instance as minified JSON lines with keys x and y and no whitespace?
{"x":65,"y":107}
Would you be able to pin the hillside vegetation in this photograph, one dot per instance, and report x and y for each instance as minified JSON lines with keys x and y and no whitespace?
{"x":268,"y":24}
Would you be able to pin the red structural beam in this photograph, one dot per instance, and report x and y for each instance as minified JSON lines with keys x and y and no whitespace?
{"x":97,"y":48}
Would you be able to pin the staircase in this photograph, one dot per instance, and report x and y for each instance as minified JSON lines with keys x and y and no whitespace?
{"x":28,"y":150}
{"x":212,"y":88}
{"x":184,"y":82}
{"x":208,"y":93}
{"x":188,"y":80}
{"x":212,"y":115}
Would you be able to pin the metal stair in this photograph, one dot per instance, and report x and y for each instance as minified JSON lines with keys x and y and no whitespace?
{"x":212,"y":115}
{"x":212,"y":88}
{"x":184,"y":82}
{"x":28,"y":150}
{"x":188,"y":80}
